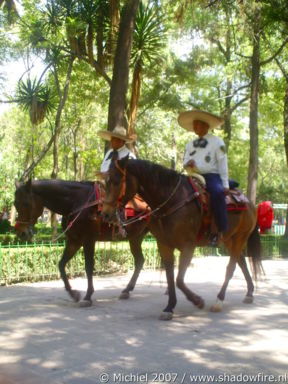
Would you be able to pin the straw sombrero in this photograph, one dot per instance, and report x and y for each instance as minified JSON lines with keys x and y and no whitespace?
{"x":186,"y":119}
{"x":119,"y":133}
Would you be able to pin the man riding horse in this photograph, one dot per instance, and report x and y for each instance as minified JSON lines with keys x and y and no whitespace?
{"x":207,"y":156}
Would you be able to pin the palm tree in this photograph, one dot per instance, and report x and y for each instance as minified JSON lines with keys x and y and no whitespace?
{"x":10,"y":7}
{"x":36,"y":98}
{"x":148,"y":42}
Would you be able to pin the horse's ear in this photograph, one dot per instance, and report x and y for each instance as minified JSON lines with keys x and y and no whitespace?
{"x":17,"y":184}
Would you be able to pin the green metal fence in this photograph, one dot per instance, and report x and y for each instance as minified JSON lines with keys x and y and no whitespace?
{"x":34,"y":262}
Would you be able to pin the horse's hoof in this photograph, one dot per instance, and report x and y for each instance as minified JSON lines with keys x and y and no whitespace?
{"x":76,"y":296}
{"x":124,"y":296}
{"x":217,"y":307}
{"x":85,"y":303}
{"x":166,"y":316}
{"x":201,"y":304}
{"x":248,"y":300}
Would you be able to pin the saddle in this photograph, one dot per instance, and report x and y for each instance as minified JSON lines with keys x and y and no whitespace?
{"x":236,"y":202}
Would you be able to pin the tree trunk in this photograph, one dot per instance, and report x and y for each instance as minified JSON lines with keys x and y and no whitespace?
{"x":114,"y":26}
{"x":99,"y":45}
{"x":228,"y":113}
{"x":285,"y":121}
{"x":83,"y":147}
{"x":228,"y":97}
{"x":134,"y":100}
{"x":285,"y":118}
{"x":118,"y":90}
{"x":253,"y":123}
{"x":76,"y":149}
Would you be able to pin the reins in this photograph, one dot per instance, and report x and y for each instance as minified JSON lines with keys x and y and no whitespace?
{"x":168,"y":199}
{"x":79,"y":210}
{"x":154,"y":211}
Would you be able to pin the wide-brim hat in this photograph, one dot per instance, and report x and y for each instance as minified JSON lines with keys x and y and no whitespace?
{"x":119,"y":133}
{"x":186,"y":119}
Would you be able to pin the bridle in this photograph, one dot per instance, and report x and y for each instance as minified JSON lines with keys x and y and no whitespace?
{"x":29,"y":225}
{"x":152,"y":212}
{"x":123,"y":183}
{"x":122,"y":188}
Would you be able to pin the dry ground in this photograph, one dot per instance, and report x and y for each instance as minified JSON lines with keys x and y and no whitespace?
{"x":45,"y":338}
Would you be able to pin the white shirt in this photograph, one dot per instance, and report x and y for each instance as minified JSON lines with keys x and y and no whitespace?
{"x":122,"y":152}
{"x":211,"y":159}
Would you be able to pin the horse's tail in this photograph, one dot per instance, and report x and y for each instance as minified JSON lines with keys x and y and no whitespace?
{"x":254,"y":252}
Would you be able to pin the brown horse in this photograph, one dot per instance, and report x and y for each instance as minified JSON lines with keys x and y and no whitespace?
{"x":176,"y":219}
{"x":78,"y":203}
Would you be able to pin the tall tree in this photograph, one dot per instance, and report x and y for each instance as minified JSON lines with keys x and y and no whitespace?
{"x":258,"y":9}
{"x":253,"y":116}
{"x":119,"y":85}
{"x":148,"y":42}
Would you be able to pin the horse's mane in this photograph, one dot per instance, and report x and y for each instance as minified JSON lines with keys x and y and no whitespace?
{"x":61,"y":185}
{"x":154,"y":173}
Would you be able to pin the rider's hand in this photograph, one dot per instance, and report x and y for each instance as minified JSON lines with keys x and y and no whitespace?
{"x":191,"y":163}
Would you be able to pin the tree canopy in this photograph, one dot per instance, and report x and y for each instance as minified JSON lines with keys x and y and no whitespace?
{"x":227,"y":57}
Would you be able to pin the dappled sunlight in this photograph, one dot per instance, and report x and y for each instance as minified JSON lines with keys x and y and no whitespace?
{"x":45,"y":331}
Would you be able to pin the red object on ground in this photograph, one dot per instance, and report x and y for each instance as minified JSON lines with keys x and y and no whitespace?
{"x":265,"y":216}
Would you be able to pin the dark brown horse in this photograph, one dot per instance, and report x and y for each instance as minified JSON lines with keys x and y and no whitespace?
{"x":176,"y":219}
{"x":77,"y":202}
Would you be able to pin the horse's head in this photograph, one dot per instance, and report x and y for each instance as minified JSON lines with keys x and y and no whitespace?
{"x":29,"y":207}
{"x":120,"y":187}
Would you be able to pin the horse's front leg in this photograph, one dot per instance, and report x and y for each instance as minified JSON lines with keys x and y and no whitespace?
{"x":136,"y":250}
{"x":184,"y":262}
{"x":167,"y":256}
{"x":70,"y":250}
{"x":89,"y":248}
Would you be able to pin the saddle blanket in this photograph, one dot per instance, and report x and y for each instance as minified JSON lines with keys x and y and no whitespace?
{"x":135,"y":206}
{"x":235,"y":201}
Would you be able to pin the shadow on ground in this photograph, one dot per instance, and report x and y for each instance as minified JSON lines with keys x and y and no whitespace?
{"x":45,"y":335}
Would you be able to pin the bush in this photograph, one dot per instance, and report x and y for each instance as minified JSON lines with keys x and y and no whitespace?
{"x":8,"y":238}
{"x":283,"y":247}
{"x":33,"y":262}
{"x":5,"y":226}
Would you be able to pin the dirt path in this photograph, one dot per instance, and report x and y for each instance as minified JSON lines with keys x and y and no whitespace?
{"x":45,"y":338}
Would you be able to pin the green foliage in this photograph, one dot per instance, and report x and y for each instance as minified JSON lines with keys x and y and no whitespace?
{"x":149,"y":36}
{"x":34,"y":262}
{"x":36,"y":98}
{"x":4,"y":226}
{"x":215,"y":55}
